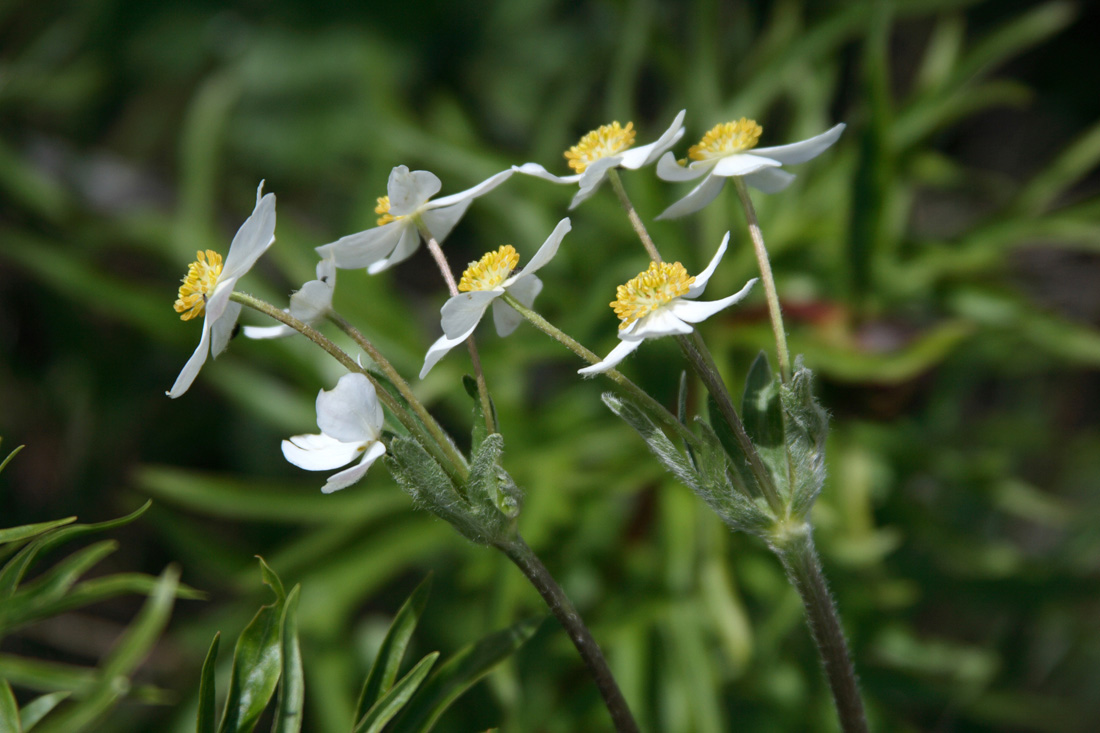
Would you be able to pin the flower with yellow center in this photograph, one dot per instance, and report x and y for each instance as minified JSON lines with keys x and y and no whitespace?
{"x":209,"y":283}
{"x":482,"y":284}
{"x":605,"y":148}
{"x":729,"y":150}
{"x":408,"y":201}
{"x":661,"y":302}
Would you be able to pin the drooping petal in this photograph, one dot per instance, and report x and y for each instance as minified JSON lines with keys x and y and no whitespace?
{"x":703,"y":277}
{"x":695,"y":311}
{"x":742,"y":164}
{"x":770,"y":180}
{"x":696,"y":199}
{"x":536,"y":170}
{"x":548,"y":249}
{"x":669,"y":170}
{"x":803,"y":150}
{"x":473,"y":192}
{"x":350,"y":411}
{"x":591,"y":179}
{"x":410,"y":190}
{"x":363,"y":249}
{"x":440,"y":222}
{"x":440,"y":348}
{"x":661,"y":322}
{"x":221,"y":329}
{"x":349,"y":476}
{"x":194,"y":364}
{"x":403,"y":249}
{"x":620,"y":352}
{"x":320,"y":452}
{"x":462,"y":312}
{"x":258,"y":333}
{"x":525,"y":290}
{"x":643,"y":155}
{"x":312,"y":301}
{"x":253,"y":238}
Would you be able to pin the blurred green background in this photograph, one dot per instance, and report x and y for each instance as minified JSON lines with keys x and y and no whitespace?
{"x":939,"y":270}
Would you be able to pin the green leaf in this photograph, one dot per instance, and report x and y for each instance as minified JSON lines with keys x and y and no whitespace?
{"x":738,"y":460}
{"x":458,"y":674}
{"x":760,"y":410}
{"x":9,"y":709}
{"x":256,"y":664}
{"x":291,"y":700}
{"x":807,"y":429}
{"x":39,"y":708}
{"x":667,"y":453}
{"x":25,"y":604}
{"x":388,"y":660}
{"x":493,"y":494}
{"x":15,"y":452}
{"x":39,"y":675}
{"x":478,"y":432}
{"x":395,"y":699}
{"x":15,"y":534}
{"x":206,"y":720}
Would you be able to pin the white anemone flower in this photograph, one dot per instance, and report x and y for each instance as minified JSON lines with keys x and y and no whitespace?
{"x":605,"y":148}
{"x":396,"y":237}
{"x":728,"y":150}
{"x":661,"y":302}
{"x":208,"y":285}
{"x":309,"y":304}
{"x":350,"y":418}
{"x":484,"y":282}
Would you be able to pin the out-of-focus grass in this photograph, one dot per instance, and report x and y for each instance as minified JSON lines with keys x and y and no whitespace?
{"x":937,"y":267}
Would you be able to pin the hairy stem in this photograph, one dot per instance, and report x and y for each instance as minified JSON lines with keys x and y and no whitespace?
{"x":635,"y":220}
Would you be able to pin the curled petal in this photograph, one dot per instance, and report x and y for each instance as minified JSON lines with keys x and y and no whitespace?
{"x":312,"y":301}
{"x":406,"y":244}
{"x":525,"y":290}
{"x":194,"y":364}
{"x":350,"y":411}
{"x":742,"y":164}
{"x":620,"y":352}
{"x":320,"y":452}
{"x":661,"y":322}
{"x":349,"y":476}
{"x":642,"y":156}
{"x":461,"y":313}
{"x":695,"y":311}
{"x":696,"y":199}
{"x":473,"y":192}
{"x":439,"y":349}
{"x":440,"y":222}
{"x":803,"y":150}
{"x":536,"y":170}
{"x":363,"y":249}
{"x":549,"y":248}
{"x":259,"y":333}
{"x":703,"y":277}
{"x":253,"y":238}
{"x":669,"y":170}
{"x":221,"y":329}
{"x":410,"y":190}
{"x":770,"y":180}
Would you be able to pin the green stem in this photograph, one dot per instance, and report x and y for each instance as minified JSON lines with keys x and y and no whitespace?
{"x":441,"y":438}
{"x":794,"y":546}
{"x":767,"y":278}
{"x":398,"y":410}
{"x":559,"y":604}
{"x":635,"y":220}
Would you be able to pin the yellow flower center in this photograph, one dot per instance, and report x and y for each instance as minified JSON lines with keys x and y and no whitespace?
{"x":659,"y":285}
{"x":383,"y":211}
{"x":600,"y":143}
{"x":727,"y":138}
{"x":490,"y":271}
{"x":198,"y":285}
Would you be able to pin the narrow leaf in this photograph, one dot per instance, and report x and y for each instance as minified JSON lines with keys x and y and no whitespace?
{"x":206,"y":721}
{"x":9,"y":709}
{"x":291,"y":700}
{"x":39,"y":708}
{"x":760,"y":410}
{"x":393,"y":701}
{"x":14,"y":534}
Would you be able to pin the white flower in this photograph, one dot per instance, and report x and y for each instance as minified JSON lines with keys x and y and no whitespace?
{"x":483,"y":283}
{"x":208,"y":285}
{"x":661,"y":302}
{"x":350,"y":419}
{"x":605,"y":148}
{"x":309,"y":304}
{"x":396,"y":237}
{"x":722,"y":153}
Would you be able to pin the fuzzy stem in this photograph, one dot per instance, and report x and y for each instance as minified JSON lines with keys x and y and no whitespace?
{"x":559,"y":604}
{"x":635,"y":220}
{"x":767,"y":278}
{"x":795,"y":548}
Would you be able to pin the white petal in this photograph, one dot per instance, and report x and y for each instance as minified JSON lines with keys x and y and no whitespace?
{"x":770,"y":180}
{"x":803,"y":150}
{"x":703,"y":277}
{"x":194,"y":364}
{"x":319,"y":452}
{"x":349,"y":476}
{"x":669,"y":170}
{"x":313,"y":301}
{"x":742,"y":164}
{"x":268,"y":332}
{"x":639,"y":157}
{"x":696,"y":199}
{"x":548,"y":249}
{"x":525,"y":290}
{"x":350,"y":411}
{"x":473,"y":192}
{"x":534,"y":169}
{"x":219,"y":299}
{"x":461,"y":313}
{"x":403,"y":249}
{"x":439,"y":349}
{"x":363,"y":249}
{"x":696,"y":311}
{"x":221,"y":329}
{"x":440,"y":222}
{"x":620,"y":352}
{"x":410,"y":190}
{"x":252,"y":239}
{"x":661,"y":322}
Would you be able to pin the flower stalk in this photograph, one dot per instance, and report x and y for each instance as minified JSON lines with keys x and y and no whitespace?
{"x":632,"y":214}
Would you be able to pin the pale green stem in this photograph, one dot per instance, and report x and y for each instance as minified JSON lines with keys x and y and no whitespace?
{"x":402,"y":386}
{"x":635,"y":220}
{"x":452,"y":288}
{"x":767,"y":278}
{"x":398,"y":410}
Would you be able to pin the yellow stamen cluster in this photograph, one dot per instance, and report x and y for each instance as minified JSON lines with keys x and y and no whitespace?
{"x":383,"y":211}
{"x":659,"y":285}
{"x":490,"y":271}
{"x":600,"y":143}
{"x":198,"y":285}
{"x":727,"y":138}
